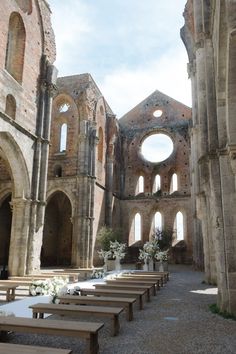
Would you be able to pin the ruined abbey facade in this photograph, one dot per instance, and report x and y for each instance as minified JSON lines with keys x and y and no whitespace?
{"x":68,"y":166}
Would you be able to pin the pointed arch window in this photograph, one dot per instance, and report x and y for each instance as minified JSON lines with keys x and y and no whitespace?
{"x":140,"y":185}
{"x":15,"y":47}
{"x":174,"y":183}
{"x":63,"y":137}
{"x":10,"y":109}
{"x":179,"y":226}
{"x":158,"y":221}
{"x":100,"y":144}
{"x":157,"y":184}
{"x":137,"y":227}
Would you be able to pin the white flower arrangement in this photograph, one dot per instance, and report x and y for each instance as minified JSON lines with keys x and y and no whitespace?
{"x":150,"y":249}
{"x":53,"y":287}
{"x":117,"y":249}
{"x":143,"y":256}
{"x":162,"y":256}
{"x":104,"y":254}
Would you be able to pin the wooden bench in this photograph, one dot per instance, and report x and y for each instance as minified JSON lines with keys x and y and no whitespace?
{"x":10,"y":348}
{"x":73,"y":310}
{"x":10,"y":291}
{"x":157,"y":281}
{"x":166,"y":275}
{"x":146,"y":288}
{"x":124,"y":281}
{"x":87,"y":330}
{"x":138,"y":294}
{"x":143,"y":277}
{"x":101,"y":301}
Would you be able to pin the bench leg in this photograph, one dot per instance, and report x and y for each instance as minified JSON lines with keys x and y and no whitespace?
{"x":92,"y":343}
{"x":154,"y":290}
{"x":148,"y":295}
{"x":129,"y":312}
{"x":140,"y":302}
{"x":116,"y":325}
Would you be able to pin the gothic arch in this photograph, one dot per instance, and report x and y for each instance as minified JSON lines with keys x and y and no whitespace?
{"x":57,"y":234}
{"x":15,"y":50}
{"x":12,"y":154}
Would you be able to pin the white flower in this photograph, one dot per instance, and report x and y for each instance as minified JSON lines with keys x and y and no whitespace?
{"x":48,"y":286}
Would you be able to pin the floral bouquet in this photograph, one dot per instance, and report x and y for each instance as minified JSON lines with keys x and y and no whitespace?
{"x":54,"y":287}
{"x":162,"y":256}
{"x":117,"y":249}
{"x":143,"y":255}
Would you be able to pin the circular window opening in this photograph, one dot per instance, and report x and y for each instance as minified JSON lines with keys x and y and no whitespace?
{"x":63,"y":107}
{"x":157,"y":147}
{"x":157,"y":113}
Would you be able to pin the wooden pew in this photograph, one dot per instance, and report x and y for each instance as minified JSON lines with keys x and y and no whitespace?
{"x":146,"y":288}
{"x":86,"y":330}
{"x":127,"y":303}
{"x":138,"y":294}
{"x":124,"y":281}
{"x":165,"y":274}
{"x":10,"y":348}
{"x":74,"y":310}
{"x":143,"y":277}
{"x":156,"y":281}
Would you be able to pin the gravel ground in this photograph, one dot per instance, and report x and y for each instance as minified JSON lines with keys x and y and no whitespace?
{"x":177,"y":321}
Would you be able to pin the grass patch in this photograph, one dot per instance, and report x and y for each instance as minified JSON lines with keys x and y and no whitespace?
{"x":215,"y":309}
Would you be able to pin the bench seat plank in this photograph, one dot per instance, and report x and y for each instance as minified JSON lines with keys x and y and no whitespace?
{"x":139,"y":294}
{"x":70,"y":310}
{"x":87,"y":330}
{"x":10,"y":348}
{"x":146,"y":288}
{"x":101,"y":301}
{"x":143,"y":277}
{"x":124,"y":281}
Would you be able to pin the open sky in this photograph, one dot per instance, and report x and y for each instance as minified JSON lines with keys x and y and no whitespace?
{"x":130,"y":47}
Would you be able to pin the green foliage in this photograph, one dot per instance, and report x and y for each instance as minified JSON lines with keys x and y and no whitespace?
{"x":215,"y":309}
{"x":107,"y":234}
{"x":164,"y":238}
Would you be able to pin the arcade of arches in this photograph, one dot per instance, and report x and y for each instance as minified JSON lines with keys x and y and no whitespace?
{"x":69,"y":167}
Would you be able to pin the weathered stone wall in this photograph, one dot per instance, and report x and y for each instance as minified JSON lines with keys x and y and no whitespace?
{"x":209,"y":37}
{"x":136,"y":125}
{"x":27,"y":43}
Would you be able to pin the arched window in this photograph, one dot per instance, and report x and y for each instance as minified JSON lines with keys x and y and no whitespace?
{"x":179,"y":226}
{"x":58,"y":171}
{"x":174,"y":183}
{"x":137,"y":227}
{"x":15,"y":47}
{"x":10,"y":109}
{"x":140,"y":185}
{"x":158,"y":221}
{"x":100,"y":144}
{"x":63,"y":137}
{"x":157,"y":184}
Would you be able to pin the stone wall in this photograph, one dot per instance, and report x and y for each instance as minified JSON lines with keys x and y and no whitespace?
{"x":209,"y":37}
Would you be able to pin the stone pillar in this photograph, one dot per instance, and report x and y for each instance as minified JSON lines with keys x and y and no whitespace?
{"x":19,"y":236}
{"x":40,"y":167}
{"x":82,"y":250}
{"x":109,"y":183}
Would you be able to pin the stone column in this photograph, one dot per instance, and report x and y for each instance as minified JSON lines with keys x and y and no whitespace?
{"x":40,"y":167}
{"x":109,"y":183}
{"x":19,"y":236}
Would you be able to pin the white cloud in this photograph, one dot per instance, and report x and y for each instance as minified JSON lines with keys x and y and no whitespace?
{"x":124,"y":88}
{"x":71,"y":29}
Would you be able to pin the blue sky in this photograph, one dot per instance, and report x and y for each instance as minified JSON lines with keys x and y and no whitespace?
{"x":130,"y":47}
